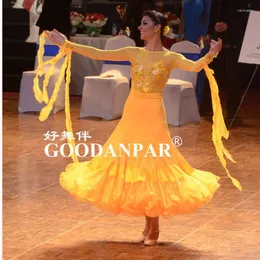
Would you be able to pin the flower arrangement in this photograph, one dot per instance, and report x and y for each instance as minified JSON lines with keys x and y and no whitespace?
{"x":172,"y":19}
{"x":94,"y":23}
{"x":171,"y":30}
{"x":75,"y":20}
{"x":172,"y":22}
{"x":91,"y":23}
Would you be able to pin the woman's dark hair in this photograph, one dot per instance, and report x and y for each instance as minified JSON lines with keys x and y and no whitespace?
{"x":157,"y":18}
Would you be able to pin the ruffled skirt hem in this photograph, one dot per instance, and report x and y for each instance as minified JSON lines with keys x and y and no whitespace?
{"x":111,"y":193}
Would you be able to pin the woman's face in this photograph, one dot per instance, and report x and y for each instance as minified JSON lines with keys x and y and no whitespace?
{"x":148,"y":29}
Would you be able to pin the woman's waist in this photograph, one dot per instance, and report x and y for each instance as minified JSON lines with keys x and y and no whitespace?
{"x":144,"y":95}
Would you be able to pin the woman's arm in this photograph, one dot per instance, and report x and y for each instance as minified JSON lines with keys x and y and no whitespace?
{"x":122,"y":54}
{"x":182,"y":63}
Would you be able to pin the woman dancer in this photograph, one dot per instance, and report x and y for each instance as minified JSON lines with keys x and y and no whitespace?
{"x":144,"y":184}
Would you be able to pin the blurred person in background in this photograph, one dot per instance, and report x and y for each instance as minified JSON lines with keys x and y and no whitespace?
{"x":195,"y":19}
{"x":230,"y":23}
{"x":194,"y":27}
{"x":55,"y":15}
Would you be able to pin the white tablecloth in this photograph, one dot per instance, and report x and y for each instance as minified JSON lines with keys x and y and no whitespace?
{"x":82,"y":66}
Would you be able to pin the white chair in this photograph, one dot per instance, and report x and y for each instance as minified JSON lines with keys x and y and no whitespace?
{"x":27,"y":101}
{"x":18,"y":4}
{"x":190,"y":51}
{"x":179,"y":94}
{"x":105,"y":97}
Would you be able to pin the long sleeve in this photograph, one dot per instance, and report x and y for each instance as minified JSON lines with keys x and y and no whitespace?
{"x":181,"y":62}
{"x":122,"y":54}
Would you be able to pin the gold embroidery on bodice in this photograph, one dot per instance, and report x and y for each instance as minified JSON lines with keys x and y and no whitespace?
{"x":151,"y":78}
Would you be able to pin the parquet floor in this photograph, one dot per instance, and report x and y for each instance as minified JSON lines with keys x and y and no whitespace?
{"x":41,"y":221}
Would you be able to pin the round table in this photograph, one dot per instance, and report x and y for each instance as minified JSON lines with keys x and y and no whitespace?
{"x":82,"y":66}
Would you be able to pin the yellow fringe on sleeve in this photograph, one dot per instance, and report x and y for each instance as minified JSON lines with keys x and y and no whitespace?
{"x":43,"y":95}
{"x":219,"y":129}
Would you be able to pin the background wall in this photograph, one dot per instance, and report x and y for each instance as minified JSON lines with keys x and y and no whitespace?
{"x":19,"y":56}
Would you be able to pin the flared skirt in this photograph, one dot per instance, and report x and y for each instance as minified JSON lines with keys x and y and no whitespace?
{"x":140,"y":171}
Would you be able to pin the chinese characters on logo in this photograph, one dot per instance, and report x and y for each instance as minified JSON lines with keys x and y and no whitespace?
{"x":52,"y":135}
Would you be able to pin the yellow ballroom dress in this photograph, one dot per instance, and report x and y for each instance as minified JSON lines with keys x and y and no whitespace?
{"x":148,"y":183}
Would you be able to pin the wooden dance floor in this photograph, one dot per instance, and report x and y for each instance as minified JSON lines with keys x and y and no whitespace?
{"x":42,"y":222}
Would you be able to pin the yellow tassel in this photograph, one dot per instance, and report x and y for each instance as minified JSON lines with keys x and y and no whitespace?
{"x":41,"y":48}
{"x":49,"y":73}
{"x":219,"y":129}
{"x":45,"y":112}
{"x":43,"y":96}
{"x":47,"y":109}
{"x":67,"y":108}
{"x":36,"y":89}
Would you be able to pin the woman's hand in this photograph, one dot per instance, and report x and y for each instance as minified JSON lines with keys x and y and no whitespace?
{"x":215,"y":47}
{"x":56,"y":37}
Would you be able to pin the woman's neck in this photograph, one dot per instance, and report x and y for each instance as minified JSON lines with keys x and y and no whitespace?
{"x":154,"y":45}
